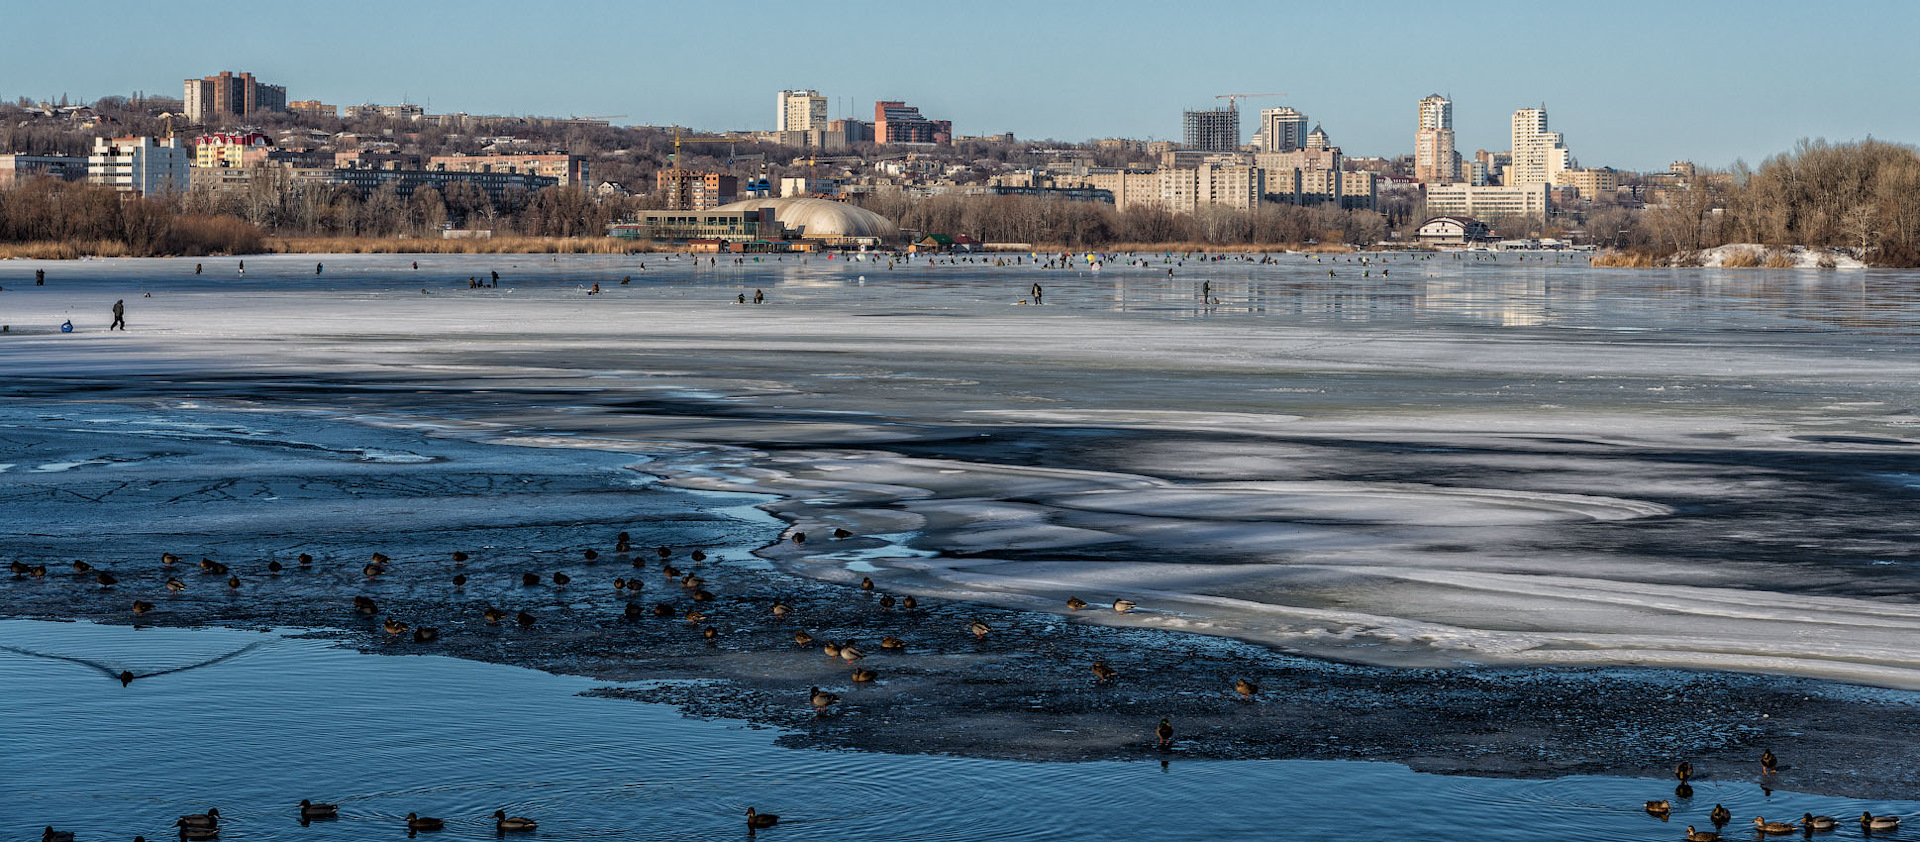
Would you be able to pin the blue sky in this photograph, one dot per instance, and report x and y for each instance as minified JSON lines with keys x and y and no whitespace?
{"x":1632,"y":84}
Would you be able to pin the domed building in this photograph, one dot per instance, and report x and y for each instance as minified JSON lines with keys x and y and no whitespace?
{"x":825,"y":222}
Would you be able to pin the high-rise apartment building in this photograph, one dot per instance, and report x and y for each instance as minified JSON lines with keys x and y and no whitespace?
{"x":1435,"y":160}
{"x":140,"y":165}
{"x":898,"y":122}
{"x":800,"y":111}
{"x":695,"y":189}
{"x":1281,"y":130}
{"x":231,"y":95}
{"x":1538,"y":154}
{"x":1212,"y":130}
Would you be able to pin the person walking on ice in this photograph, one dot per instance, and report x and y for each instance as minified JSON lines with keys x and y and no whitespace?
{"x":119,"y":315}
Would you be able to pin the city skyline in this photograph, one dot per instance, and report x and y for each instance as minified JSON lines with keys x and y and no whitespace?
{"x":1637,"y":86}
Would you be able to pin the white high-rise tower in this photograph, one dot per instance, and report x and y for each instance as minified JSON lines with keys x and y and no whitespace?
{"x":1538,"y":154}
{"x":1281,"y":130}
{"x":1435,"y":160}
{"x":800,"y":111}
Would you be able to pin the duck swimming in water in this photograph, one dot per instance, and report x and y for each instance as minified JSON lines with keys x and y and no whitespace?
{"x":1775,"y":828}
{"x":310,"y":810}
{"x":512,"y":824}
{"x":757,"y":820}
{"x":1701,"y":835}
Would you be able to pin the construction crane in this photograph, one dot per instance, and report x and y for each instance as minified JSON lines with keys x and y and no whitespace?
{"x":677,"y":140}
{"x":1233,"y":103}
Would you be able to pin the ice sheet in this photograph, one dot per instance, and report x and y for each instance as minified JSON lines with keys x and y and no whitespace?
{"x":1477,"y":461}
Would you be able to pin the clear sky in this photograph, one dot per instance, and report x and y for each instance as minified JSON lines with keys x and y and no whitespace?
{"x":1633,"y":84}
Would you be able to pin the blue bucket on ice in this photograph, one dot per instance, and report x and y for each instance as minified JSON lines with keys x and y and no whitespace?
{"x":66,"y":326}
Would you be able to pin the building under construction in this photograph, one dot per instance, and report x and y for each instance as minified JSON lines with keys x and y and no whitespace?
{"x":1212,"y":130}
{"x":696,"y":189}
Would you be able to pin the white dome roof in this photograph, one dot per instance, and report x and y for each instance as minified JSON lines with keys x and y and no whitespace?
{"x":820,"y":219}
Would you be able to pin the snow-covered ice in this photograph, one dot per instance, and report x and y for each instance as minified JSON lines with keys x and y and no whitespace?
{"x":1474,"y":462}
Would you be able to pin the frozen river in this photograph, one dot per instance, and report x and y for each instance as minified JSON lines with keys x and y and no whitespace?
{"x":1412,"y":462}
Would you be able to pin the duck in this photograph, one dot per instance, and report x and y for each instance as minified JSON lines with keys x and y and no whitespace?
{"x":710,"y":633}
{"x":394,"y":626}
{"x":1720,"y":815}
{"x":801,"y":638}
{"x":525,"y":619}
{"x":623,"y":543}
{"x":831,"y":649}
{"x":849,"y":653}
{"x":379,"y":558}
{"x":698,"y":556}
{"x":275,"y":567}
{"x":169,"y":559}
{"x":364,"y":605}
{"x":310,"y":810}
{"x":416,"y":821}
{"x":372,"y":570}
{"x":1075,"y":603}
{"x":1769,"y":764}
{"x":822,"y":699}
{"x":1772,"y":827}
{"x":140,"y":607}
{"x":694,"y":616}
{"x":864,"y":675}
{"x":1123,"y":605}
{"x":1164,"y":731}
{"x":780,"y":610}
{"x":590,"y":554}
{"x":493,"y":615}
{"x":866,"y":583}
{"x":175,"y":585}
{"x":691,"y":582}
{"x":886,"y":602}
{"x":126,"y":677}
{"x":106,"y":579}
{"x":893,"y":644}
{"x":1813,"y":822}
{"x":634,"y":611}
{"x":1659,"y":808}
{"x":1684,"y":771}
{"x":702,"y":596}
{"x":305,"y":558}
{"x":81,"y":566}
{"x":529,"y":579}
{"x":459,"y":580}
{"x":1246,"y":689}
{"x":908,"y":603}
{"x":233,"y":582}
{"x":799,"y":537}
{"x":979,"y":630}
{"x":513,"y":824}
{"x":669,"y":571}
{"x":425,"y":635}
{"x":210,"y":818}
{"x":663,"y":609}
{"x":1701,"y":835}
{"x":841,"y":534}
{"x":459,"y":556}
{"x":51,"y":835}
{"x":1873,"y":822}
{"x":663,"y":552}
{"x":1103,"y":673}
{"x":757,"y":820}
{"x":211,"y":567}
{"x":560,"y":578}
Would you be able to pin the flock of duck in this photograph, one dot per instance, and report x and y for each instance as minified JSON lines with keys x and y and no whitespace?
{"x":1720,"y":815}
{"x":202,"y":826}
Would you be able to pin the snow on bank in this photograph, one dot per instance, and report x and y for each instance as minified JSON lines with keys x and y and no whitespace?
{"x":1751,"y":255}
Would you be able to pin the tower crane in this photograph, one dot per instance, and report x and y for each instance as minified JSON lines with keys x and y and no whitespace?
{"x":1233,"y":100}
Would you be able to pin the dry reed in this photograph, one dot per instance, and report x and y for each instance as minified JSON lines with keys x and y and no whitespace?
{"x":491,"y":245}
